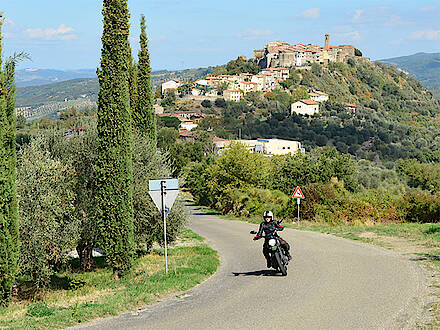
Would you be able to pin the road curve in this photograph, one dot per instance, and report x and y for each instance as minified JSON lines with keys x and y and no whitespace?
{"x":332,"y":283}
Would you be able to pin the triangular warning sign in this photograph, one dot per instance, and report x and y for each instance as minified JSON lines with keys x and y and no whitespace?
{"x":298,"y":193}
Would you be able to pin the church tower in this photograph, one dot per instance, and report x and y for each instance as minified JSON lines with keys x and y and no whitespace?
{"x":327,"y":40}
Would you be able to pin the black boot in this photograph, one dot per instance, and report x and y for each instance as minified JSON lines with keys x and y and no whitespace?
{"x":269,"y":264}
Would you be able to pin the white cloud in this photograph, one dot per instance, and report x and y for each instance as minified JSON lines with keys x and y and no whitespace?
{"x":9,"y":28}
{"x":253,"y":34}
{"x":63,"y":32}
{"x":357,"y":14}
{"x":426,"y":35}
{"x":161,"y":37}
{"x":429,"y":8}
{"x":352,"y":35}
{"x":395,"y":20}
{"x":310,"y":13}
{"x":9,"y":22}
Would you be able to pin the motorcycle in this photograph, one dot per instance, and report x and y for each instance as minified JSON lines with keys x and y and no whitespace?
{"x":279,"y":260}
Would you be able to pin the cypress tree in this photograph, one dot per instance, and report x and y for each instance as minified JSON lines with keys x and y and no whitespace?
{"x":144,"y":117}
{"x":8,"y":200}
{"x":114,"y":175}
{"x":132,"y":82}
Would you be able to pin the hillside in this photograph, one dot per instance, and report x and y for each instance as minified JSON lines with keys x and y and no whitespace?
{"x":395,"y":116}
{"x":38,"y":77}
{"x":46,"y":100}
{"x":425,"y":67}
{"x":35,"y":96}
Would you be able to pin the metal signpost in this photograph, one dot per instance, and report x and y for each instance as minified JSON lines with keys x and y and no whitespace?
{"x":164,"y":192}
{"x":298,"y":195}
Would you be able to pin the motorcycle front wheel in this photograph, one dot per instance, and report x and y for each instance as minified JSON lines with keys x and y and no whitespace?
{"x":281,"y":266}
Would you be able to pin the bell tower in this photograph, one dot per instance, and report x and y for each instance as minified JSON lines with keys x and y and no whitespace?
{"x":327,"y":40}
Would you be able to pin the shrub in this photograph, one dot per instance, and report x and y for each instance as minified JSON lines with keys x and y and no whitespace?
{"x":206,"y":104}
{"x":252,"y":201}
{"x":421,"y":207}
{"x":220,"y":102}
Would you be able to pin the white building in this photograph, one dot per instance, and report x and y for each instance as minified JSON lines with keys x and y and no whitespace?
{"x":318,"y":96}
{"x":259,"y":80}
{"x":188,"y":125}
{"x":305,"y":107}
{"x":267,"y":147}
{"x":171,"y":84}
{"x":300,"y":58}
{"x":234,"y":95}
{"x":247,"y":87}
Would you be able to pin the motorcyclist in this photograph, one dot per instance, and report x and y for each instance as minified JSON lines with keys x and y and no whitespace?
{"x":270,"y":227}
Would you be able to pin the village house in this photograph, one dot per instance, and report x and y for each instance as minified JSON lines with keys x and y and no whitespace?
{"x":259,"y":80}
{"x":267,"y":147}
{"x":158,"y":109}
{"x":185,"y":114}
{"x":186,"y":135}
{"x":188,"y":125}
{"x":279,"y":74}
{"x":247,"y":87}
{"x":234,"y":95}
{"x":173,"y":84}
{"x":349,"y":106}
{"x":318,"y":96}
{"x":305,"y":107}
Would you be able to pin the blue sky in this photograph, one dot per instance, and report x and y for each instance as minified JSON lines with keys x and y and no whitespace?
{"x":195,"y":33}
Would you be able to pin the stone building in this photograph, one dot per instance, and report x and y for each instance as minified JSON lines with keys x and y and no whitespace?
{"x":281,"y":54}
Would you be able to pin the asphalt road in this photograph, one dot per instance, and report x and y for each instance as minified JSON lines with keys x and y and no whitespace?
{"x":332,"y":283}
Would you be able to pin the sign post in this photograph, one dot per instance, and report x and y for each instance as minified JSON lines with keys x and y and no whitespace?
{"x":298,"y":195}
{"x":163,"y":193}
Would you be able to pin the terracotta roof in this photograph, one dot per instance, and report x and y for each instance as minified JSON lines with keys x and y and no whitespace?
{"x":217,"y":139}
{"x":349,"y":104}
{"x":309,"y":102}
{"x":185,"y":112}
{"x":186,"y":133}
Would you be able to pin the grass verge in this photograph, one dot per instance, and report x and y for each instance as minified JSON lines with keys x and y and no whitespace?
{"x":79,"y":297}
{"x":420,"y":242}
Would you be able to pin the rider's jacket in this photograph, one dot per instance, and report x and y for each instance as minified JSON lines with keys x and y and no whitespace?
{"x":269,"y":228}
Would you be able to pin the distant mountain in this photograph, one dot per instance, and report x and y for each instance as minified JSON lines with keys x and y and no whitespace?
{"x":425,"y":67}
{"x":36,"y":77}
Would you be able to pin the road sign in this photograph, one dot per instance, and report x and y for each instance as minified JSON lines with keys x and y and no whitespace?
{"x":171,"y":192}
{"x":164,"y":192}
{"x":298,"y":193}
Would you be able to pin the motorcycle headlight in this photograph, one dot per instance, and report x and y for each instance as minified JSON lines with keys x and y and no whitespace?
{"x":272,"y":242}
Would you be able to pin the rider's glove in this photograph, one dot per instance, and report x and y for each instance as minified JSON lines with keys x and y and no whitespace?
{"x":256,"y":238}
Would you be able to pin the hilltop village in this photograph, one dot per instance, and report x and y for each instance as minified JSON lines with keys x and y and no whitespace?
{"x":275,"y":63}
